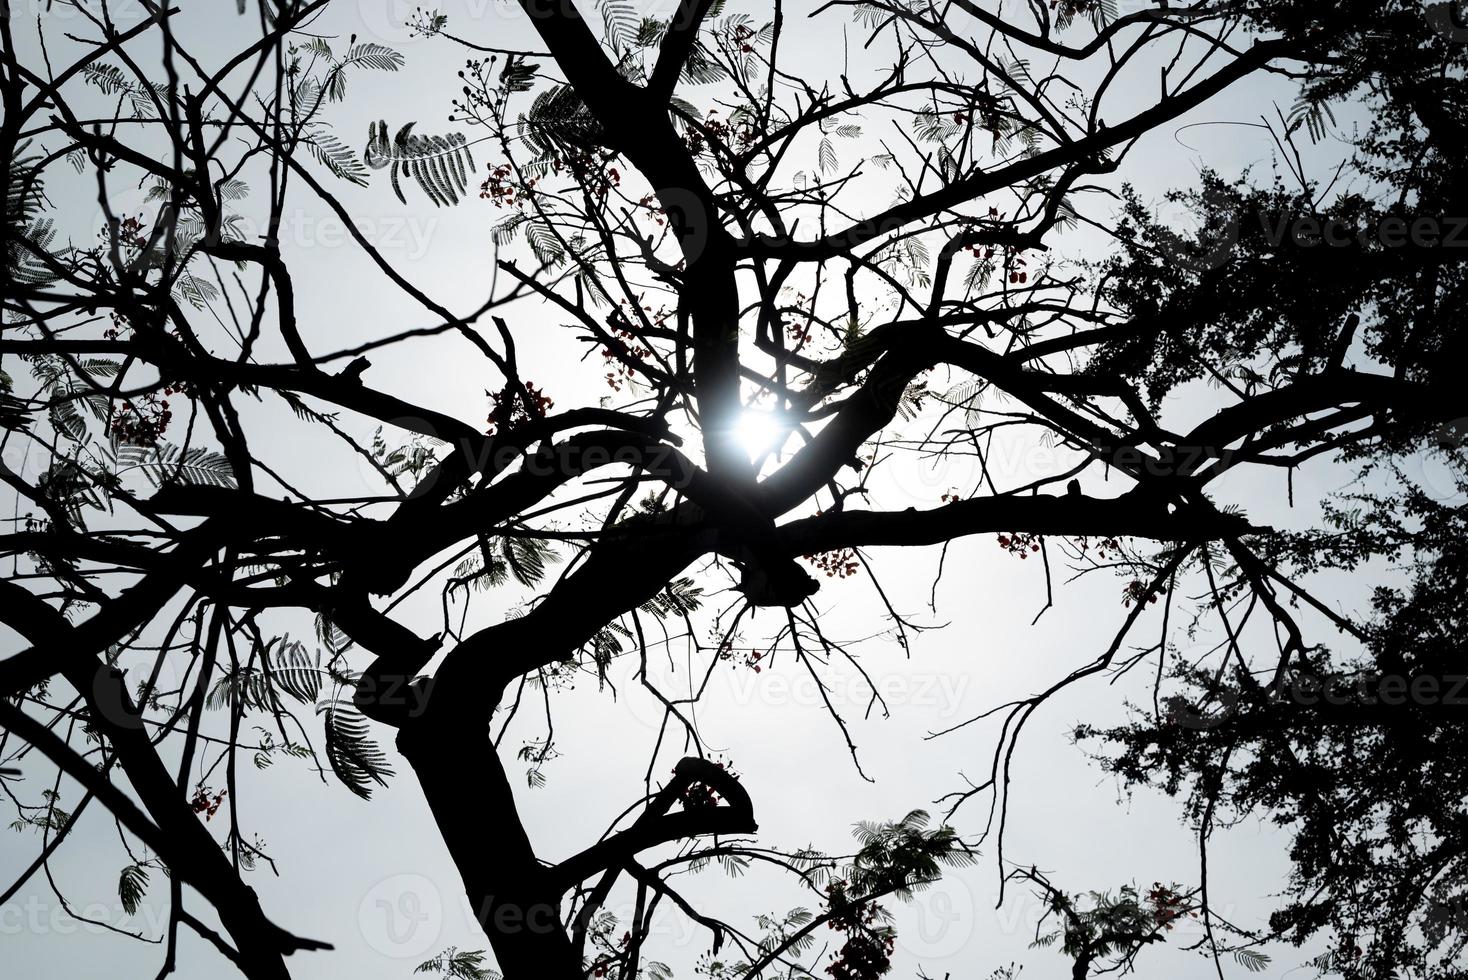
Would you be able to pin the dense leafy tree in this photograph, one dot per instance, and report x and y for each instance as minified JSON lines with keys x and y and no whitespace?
{"x":746,"y":247}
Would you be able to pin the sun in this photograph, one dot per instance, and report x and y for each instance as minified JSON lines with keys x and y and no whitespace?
{"x":759,"y":433}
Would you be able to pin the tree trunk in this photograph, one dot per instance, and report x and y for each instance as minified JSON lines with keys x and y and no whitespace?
{"x":508,"y":889}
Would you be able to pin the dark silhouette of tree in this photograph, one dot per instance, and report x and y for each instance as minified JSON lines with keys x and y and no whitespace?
{"x":737,"y":240}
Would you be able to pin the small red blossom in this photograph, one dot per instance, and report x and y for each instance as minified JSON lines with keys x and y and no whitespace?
{"x":1020,"y":543}
{"x":836,"y":564}
{"x":203,"y":803}
{"x":540,"y":402}
{"x":1136,"y":591}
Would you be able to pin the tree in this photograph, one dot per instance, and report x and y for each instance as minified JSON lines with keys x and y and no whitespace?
{"x":674,"y":193}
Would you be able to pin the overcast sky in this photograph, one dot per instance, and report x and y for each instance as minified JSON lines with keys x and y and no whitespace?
{"x":373,"y":877}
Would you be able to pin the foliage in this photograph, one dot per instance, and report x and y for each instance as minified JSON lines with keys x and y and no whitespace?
{"x":440,"y":165}
{"x":454,"y":964}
